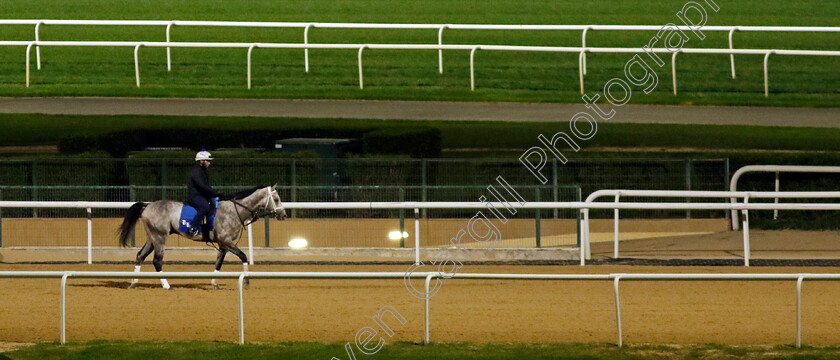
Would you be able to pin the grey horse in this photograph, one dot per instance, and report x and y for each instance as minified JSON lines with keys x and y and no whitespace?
{"x":161,"y":219}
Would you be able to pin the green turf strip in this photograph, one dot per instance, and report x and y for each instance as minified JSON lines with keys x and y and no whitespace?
{"x":389,"y":74}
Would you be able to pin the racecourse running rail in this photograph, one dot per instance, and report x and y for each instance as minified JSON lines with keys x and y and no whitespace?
{"x":617,"y":194}
{"x":307,"y":26}
{"x":306,"y":45}
{"x":733,"y":183}
{"x":744,"y":206}
{"x":429,"y":276}
{"x":582,"y":51}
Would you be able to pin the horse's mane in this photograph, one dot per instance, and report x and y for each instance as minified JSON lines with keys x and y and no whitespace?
{"x":246,"y":193}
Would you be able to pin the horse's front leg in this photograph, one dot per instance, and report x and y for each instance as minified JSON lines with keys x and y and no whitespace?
{"x":158,"y":262}
{"x":219,"y":261}
{"x":236,"y":251}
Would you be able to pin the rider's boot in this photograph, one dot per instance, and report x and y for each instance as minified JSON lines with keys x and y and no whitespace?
{"x":205,"y":233}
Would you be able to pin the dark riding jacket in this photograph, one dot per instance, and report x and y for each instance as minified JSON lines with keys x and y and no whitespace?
{"x":200,"y":184}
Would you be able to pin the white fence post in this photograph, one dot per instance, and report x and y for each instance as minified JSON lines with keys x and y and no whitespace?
{"x":38,"y":48}
{"x":416,"y":236}
{"x":306,"y":50}
{"x":766,"y":79}
{"x":28,"y":51}
{"x":674,"y":69}
{"x":588,"y":245}
{"x":137,"y":64}
{"x":580,"y":68}
{"x":241,"y":309}
{"x":732,"y":56}
{"x":251,"y":244}
{"x":615,"y":228}
{"x":776,"y":200}
{"x":440,"y":51}
{"x":583,"y":232}
{"x":361,"y":78}
{"x":250,"y":50}
{"x":799,"y":310}
{"x":168,"y":49}
{"x":583,"y":45}
{"x":426,"y":324}
{"x":618,"y":310}
{"x":472,"y":68}
{"x":89,"y":237}
{"x":64,"y":307}
{"x":746,"y":225}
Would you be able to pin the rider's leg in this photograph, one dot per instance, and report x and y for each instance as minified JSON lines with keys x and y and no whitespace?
{"x":202,"y":208}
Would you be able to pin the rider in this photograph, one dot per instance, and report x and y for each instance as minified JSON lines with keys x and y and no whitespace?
{"x":199,"y":192}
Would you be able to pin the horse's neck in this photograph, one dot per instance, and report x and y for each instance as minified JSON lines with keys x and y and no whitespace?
{"x":255,"y":200}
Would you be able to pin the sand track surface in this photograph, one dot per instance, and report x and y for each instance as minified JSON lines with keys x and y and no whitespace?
{"x":463,"y":310}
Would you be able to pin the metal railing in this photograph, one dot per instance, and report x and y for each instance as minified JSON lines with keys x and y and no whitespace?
{"x":744,"y":195}
{"x":582,"y":51}
{"x":733,"y":184}
{"x":394,"y":193}
{"x":429,"y":276}
{"x":307,"y":26}
{"x":416,"y":206}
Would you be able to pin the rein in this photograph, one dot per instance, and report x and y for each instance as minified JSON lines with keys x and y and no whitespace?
{"x":255,"y":215}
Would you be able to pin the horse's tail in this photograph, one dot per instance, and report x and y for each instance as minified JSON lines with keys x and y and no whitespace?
{"x":129,"y":222}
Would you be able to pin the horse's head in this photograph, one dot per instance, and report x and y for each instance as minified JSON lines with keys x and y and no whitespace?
{"x":273,"y":204}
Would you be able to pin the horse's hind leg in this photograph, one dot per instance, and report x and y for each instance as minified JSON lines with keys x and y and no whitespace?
{"x":219,"y":261}
{"x":160,"y":247}
{"x":141,"y":257}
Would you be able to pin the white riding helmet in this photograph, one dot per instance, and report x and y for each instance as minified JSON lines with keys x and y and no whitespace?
{"x":203,"y":155}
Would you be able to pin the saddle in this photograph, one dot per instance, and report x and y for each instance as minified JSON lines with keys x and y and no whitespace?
{"x":188,"y":213}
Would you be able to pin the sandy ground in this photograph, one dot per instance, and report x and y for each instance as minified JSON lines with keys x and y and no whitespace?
{"x":764,"y":244}
{"x":419,"y":110}
{"x":464,"y":310}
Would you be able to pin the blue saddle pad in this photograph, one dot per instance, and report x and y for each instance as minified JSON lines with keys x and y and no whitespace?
{"x":187,"y":215}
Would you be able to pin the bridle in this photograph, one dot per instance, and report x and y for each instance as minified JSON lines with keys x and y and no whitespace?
{"x":274,"y":205}
{"x":255,"y":214}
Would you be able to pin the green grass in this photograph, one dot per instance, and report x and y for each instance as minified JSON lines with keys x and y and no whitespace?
{"x":39,"y":129}
{"x":528,"y":77}
{"x":407,"y":351}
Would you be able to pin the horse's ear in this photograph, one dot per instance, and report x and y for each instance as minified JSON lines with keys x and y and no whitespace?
{"x":274,"y":186}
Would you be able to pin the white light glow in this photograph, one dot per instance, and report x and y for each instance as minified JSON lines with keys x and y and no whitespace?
{"x":298,"y":243}
{"x":395,"y":235}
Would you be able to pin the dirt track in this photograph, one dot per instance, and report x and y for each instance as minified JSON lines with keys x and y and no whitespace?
{"x":419,"y":110}
{"x":464,"y":310}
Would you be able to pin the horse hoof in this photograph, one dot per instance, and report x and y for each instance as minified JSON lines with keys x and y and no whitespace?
{"x":217,"y":287}
{"x":132,"y":286}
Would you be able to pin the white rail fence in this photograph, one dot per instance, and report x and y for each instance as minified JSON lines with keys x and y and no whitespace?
{"x":583,"y":206}
{"x":582,"y":51}
{"x":743,"y":195}
{"x":429,"y":276}
{"x":733,"y":183}
{"x":307,"y":26}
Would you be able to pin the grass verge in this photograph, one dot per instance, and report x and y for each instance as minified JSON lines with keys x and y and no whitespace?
{"x":407,"y":351}
{"x":394,"y":74}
